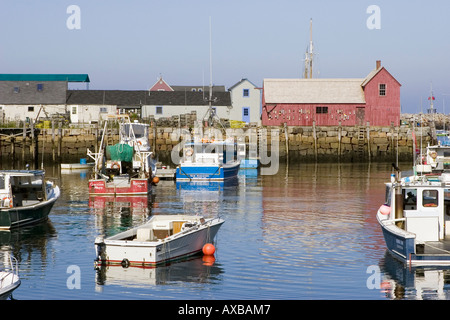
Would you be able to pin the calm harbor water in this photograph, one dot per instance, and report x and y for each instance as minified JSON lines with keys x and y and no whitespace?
{"x":309,"y":232}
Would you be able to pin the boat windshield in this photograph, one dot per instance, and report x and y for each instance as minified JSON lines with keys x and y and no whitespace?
{"x":139,"y":130}
{"x":430,"y":198}
{"x":387,"y":196}
{"x":409,"y":199}
{"x":2,"y":182}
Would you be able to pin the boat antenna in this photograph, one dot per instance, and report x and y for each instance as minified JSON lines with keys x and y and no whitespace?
{"x":209,"y":112}
{"x":210,"y":62}
{"x":421,"y":127}
{"x":309,"y":56}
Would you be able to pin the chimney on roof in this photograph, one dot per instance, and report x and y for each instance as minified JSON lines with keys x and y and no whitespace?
{"x":378,"y":64}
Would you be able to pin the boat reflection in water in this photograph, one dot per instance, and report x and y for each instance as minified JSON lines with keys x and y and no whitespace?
{"x":193,"y":269}
{"x":194,"y":191}
{"x":419,"y":283}
{"x":135,"y":204}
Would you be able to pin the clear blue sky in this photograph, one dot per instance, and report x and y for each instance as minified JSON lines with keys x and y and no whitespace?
{"x":128,"y":44}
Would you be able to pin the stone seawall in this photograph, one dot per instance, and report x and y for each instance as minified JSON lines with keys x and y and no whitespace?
{"x":296,"y":143}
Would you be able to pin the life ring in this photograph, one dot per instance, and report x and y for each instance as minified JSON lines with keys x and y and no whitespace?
{"x":7,"y":202}
{"x":189,"y":152}
{"x":125,"y":263}
{"x":433,"y":154}
{"x":115,"y":165}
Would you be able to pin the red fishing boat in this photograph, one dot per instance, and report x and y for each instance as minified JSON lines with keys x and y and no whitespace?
{"x":125,"y":168}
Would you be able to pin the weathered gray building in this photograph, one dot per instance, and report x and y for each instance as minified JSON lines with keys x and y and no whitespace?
{"x":25,"y":96}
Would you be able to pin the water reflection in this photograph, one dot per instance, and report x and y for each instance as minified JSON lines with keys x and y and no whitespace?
{"x":421,"y":283}
{"x":28,"y":242}
{"x":206,"y":197}
{"x":309,"y":232}
{"x":193,"y":269}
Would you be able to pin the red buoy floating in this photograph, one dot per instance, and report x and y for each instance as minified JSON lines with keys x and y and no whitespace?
{"x":208,"y":249}
{"x":155,"y":180}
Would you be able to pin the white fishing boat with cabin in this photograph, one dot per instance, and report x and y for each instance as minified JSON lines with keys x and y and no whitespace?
{"x":436,"y":157}
{"x":26,"y":197}
{"x":415,"y":218}
{"x":162,"y":239}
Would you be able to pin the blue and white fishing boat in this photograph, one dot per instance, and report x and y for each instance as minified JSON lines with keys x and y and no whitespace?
{"x":415,"y":218}
{"x":207,"y":160}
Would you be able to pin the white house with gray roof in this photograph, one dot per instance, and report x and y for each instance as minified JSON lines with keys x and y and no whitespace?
{"x":245,"y":101}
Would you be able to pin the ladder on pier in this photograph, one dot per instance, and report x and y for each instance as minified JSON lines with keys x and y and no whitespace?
{"x":361,"y":141}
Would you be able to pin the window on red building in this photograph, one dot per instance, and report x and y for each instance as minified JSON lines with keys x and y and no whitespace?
{"x":382,"y":91}
{"x":321,"y":109}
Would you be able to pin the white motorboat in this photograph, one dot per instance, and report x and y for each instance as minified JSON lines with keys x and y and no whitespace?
{"x":9,"y":277}
{"x":163,"y":238}
{"x":26,"y":197}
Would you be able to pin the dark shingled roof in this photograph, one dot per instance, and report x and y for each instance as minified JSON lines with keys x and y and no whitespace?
{"x":145,"y":97}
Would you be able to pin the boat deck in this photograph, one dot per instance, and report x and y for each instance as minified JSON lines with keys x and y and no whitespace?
{"x":434,"y":248}
{"x":166,"y":174}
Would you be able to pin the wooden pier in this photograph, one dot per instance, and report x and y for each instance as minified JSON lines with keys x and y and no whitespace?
{"x":15,"y":142}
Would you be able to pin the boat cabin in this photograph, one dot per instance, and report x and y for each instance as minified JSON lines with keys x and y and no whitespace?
{"x":135,"y":135}
{"x":160,"y":227}
{"x":159,"y":230}
{"x":22,"y":187}
{"x":422,"y":208}
{"x":438,"y":157}
{"x":215,"y":152}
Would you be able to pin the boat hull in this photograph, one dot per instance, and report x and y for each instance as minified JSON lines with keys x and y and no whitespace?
{"x":27,"y":215}
{"x":153,"y":253}
{"x":9,"y":283}
{"x":192,"y":172}
{"x":402,"y":245}
{"x":100,"y":187}
{"x":77,"y":166}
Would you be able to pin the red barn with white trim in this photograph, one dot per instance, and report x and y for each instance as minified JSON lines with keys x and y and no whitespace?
{"x":330,"y":102}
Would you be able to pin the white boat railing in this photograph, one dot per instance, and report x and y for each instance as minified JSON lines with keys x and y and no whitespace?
{"x":394,"y":220}
{"x":11,"y":268}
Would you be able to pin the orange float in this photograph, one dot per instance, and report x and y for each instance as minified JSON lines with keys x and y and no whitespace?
{"x":208,"y":249}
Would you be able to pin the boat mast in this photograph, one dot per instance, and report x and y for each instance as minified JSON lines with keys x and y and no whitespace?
{"x":431,"y":98}
{"x":210,"y":75}
{"x":309,"y":56}
{"x":432,"y":111}
{"x":210,"y":114}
